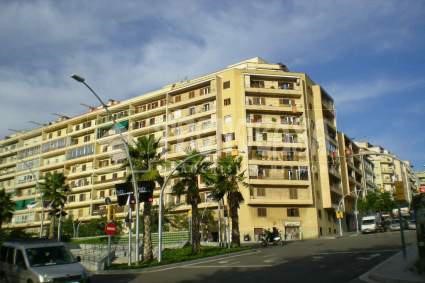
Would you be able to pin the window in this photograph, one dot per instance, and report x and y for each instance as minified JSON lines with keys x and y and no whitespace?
{"x":82,"y":197}
{"x":77,"y":127}
{"x":103,"y":178}
{"x":206,"y":107}
{"x":19,"y":259}
{"x":192,"y":110}
{"x":87,"y":138}
{"x":191,"y":94}
{"x":228,"y":119}
{"x":151,"y":121}
{"x":284,"y":101}
{"x":262,"y":212}
{"x":205,"y":90}
{"x":177,"y":98}
{"x":228,"y":137}
{"x":102,"y":194}
{"x":261,"y":192}
{"x":293,"y":212}
{"x":59,"y":133}
{"x":71,"y":198}
{"x":191,"y":128}
{"x":293,"y":193}
{"x":50,"y":135}
{"x":226,"y":85}
{"x":227,"y":102}
{"x":83,"y":167}
{"x":115,"y":176}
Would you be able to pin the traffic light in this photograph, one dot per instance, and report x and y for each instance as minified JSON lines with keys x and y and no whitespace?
{"x":146,"y":189}
{"x":122,"y":191}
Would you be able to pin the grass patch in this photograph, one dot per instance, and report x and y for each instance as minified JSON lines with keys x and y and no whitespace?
{"x":180,"y":255}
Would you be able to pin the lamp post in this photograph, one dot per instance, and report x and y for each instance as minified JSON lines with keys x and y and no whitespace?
{"x":161,"y":194}
{"x":114,"y":123}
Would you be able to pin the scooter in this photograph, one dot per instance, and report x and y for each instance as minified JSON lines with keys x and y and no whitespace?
{"x":268,"y":239}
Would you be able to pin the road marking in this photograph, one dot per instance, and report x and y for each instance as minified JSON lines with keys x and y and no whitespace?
{"x":228,"y":266}
{"x":199,"y":262}
{"x":269,"y":260}
{"x":358,"y":252}
{"x":317,"y":257}
{"x":369,"y":257}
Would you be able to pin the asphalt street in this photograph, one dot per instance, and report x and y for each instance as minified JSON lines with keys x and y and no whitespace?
{"x":324,"y":260}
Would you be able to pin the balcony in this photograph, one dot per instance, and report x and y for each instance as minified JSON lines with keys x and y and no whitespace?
{"x":290,"y":88}
{"x":281,"y":196}
{"x":190,"y":131}
{"x":191,"y":98}
{"x":387,"y":170}
{"x":272,"y":104}
{"x":117,"y":116}
{"x":270,"y":157}
{"x":191,"y":113}
{"x":276,"y":141}
{"x":297,"y":176}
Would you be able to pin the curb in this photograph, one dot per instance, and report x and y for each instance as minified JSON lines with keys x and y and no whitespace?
{"x":171,"y":265}
{"x":372,"y":276}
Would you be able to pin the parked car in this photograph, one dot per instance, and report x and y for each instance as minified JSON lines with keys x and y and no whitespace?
{"x":395,"y":224}
{"x":412,"y":224}
{"x":370,"y":225}
{"x":39,"y":261}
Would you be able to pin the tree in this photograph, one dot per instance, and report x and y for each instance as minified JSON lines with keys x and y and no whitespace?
{"x":226,"y":181}
{"x":54,"y":191}
{"x":7,"y":206}
{"x":376,"y":202}
{"x":146,"y":160}
{"x":188,"y":175}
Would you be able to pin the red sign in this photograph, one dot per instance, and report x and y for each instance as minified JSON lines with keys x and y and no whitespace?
{"x":110,"y":229}
{"x":422,"y":189}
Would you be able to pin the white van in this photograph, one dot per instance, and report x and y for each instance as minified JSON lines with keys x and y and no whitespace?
{"x":39,"y":261}
{"x":369,"y":224}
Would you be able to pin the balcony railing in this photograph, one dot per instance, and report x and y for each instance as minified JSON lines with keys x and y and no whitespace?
{"x":276,"y":156}
{"x":296,"y":173}
{"x":191,"y":111}
{"x":191,"y":129}
{"x":275,"y":139}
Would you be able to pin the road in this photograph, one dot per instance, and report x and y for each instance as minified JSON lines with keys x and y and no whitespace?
{"x":324,"y":260}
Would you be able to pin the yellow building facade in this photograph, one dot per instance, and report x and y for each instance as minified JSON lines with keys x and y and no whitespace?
{"x":281,"y":122}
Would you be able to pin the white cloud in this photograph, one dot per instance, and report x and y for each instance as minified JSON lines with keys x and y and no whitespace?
{"x":125,"y":48}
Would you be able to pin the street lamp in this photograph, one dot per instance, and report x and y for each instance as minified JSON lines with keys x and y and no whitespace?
{"x":161,"y":193}
{"x":135,"y":190}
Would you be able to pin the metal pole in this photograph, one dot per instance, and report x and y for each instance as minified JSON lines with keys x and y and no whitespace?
{"x":109,"y":250}
{"x":340,"y":226}
{"x":356,"y":213}
{"x":129,"y":233}
{"x":135,"y":190}
{"x":219,"y":224}
{"x":403,"y":242}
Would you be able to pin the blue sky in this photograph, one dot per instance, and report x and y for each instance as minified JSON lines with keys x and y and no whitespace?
{"x":369,"y":55}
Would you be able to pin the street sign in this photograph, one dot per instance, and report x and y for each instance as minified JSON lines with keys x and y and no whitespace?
{"x":111,"y":229}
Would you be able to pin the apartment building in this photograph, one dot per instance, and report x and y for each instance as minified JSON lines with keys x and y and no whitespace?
{"x":281,"y":122}
{"x":420,"y":181}
{"x":357,"y":177}
{"x":389,"y":169}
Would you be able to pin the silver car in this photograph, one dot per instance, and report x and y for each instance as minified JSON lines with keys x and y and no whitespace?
{"x":39,"y":261}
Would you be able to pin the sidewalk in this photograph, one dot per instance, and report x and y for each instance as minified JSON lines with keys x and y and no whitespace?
{"x":396,"y":269}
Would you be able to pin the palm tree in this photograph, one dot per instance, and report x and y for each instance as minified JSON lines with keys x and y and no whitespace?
{"x":7,"y":206}
{"x":226,"y":180}
{"x":54,"y":191}
{"x":146,"y":160}
{"x":189,"y":173}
